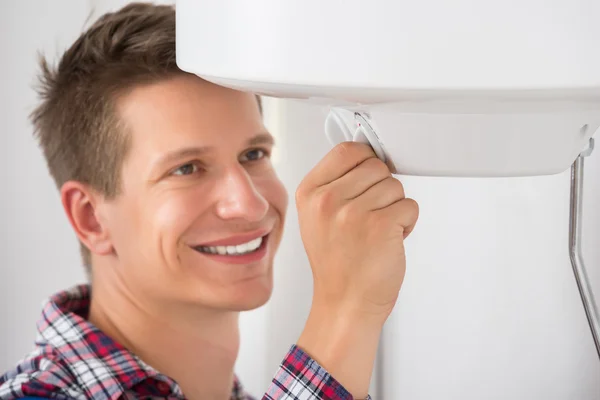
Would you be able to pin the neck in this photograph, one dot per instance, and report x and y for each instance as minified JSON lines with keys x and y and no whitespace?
{"x":196,"y":347}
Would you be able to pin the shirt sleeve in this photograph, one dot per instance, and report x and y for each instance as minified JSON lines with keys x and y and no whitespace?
{"x":301,"y":378}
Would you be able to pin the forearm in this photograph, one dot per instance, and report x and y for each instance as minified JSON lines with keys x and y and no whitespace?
{"x":345,"y":344}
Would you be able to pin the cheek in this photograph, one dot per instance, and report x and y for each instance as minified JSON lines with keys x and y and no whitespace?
{"x":272,"y":189}
{"x":175,"y":213}
{"x":124,"y":220}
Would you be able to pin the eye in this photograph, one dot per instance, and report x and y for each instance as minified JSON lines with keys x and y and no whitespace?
{"x":186,"y":169}
{"x":255,"y":155}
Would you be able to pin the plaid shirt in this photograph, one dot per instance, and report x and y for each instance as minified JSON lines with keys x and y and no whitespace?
{"x":74,"y":360}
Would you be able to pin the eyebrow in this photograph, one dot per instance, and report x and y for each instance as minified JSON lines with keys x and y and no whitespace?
{"x":261,"y":138}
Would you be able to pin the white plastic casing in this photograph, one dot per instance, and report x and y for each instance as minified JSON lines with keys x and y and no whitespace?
{"x":451,"y":88}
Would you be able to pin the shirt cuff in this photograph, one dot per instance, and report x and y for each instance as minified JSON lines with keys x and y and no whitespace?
{"x":301,"y":377}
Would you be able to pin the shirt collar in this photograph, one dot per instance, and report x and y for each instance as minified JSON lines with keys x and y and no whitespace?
{"x":100,"y":364}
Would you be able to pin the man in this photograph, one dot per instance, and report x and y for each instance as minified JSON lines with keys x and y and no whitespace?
{"x":166,"y":180}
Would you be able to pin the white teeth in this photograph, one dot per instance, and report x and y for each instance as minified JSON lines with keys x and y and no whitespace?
{"x":254,"y":244}
{"x":243,"y":248}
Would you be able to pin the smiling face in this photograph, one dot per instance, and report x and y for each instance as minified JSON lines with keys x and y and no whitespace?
{"x":201,"y":211}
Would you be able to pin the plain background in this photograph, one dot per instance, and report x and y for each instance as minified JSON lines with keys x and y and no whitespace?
{"x":489,"y":308}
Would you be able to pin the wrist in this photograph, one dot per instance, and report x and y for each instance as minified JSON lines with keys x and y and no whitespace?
{"x":353,"y":308}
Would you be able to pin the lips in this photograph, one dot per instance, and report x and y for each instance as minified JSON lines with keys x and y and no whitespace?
{"x":237,"y":239}
{"x":243,"y":248}
{"x":239,"y":249}
{"x":232,"y":255}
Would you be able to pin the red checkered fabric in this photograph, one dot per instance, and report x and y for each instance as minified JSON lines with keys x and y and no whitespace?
{"x":75,"y":360}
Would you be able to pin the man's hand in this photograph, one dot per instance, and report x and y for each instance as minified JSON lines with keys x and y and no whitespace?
{"x":353,"y":218}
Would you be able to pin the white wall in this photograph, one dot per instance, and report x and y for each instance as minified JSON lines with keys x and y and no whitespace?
{"x":38,"y":252}
{"x":489,"y":308}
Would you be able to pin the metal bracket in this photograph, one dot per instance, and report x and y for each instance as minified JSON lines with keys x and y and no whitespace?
{"x":589,"y":150}
{"x":575,"y":253}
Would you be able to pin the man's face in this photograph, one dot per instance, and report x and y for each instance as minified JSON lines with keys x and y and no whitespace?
{"x":201,"y":212}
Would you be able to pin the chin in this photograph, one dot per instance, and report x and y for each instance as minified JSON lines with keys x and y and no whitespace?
{"x":227,"y":286}
{"x":250,"y":296}
{"x":237,"y":296}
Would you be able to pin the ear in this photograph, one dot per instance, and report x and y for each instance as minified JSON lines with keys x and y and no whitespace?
{"x":79,"y":203}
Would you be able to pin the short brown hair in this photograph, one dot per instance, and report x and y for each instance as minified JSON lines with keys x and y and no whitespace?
{"x":76,"y":123}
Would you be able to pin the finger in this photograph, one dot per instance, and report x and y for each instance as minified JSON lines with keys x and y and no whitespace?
{"x":381,"y":195}
{"x":342,"y":159}
{"x":360,"y":179}
{"x":403,"y":213}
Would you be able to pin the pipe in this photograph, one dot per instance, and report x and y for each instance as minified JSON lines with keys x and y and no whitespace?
{"x":575,"y":253}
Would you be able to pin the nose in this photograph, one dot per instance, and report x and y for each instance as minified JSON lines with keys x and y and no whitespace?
{"x":238,"y":197}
